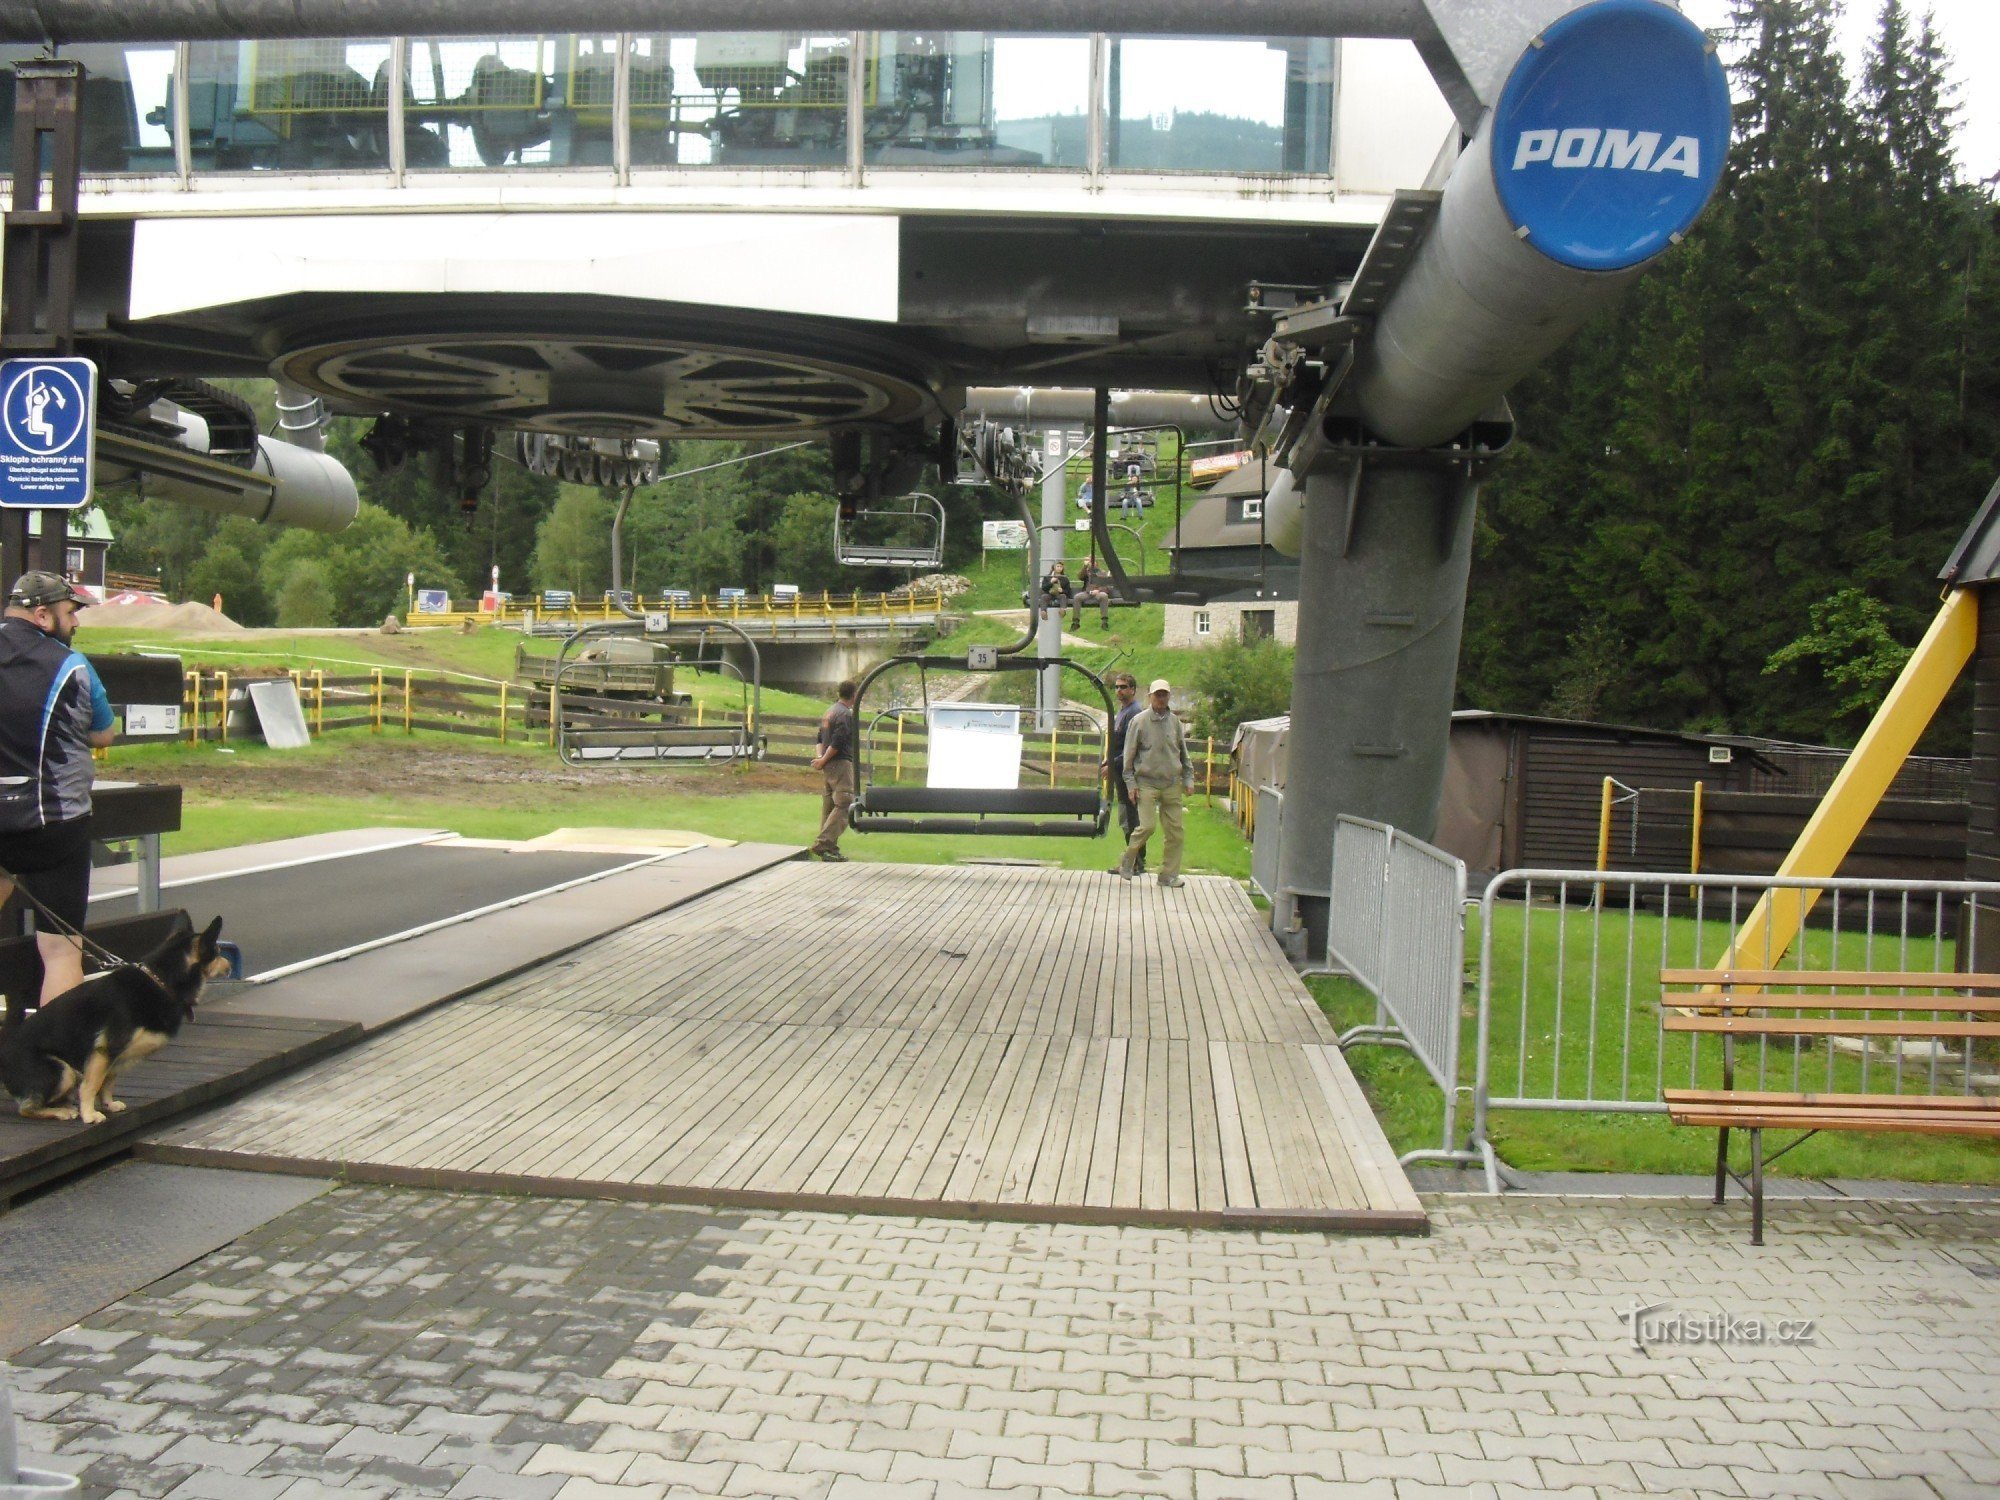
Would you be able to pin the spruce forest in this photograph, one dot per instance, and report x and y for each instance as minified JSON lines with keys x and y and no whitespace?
{"x":1730,"y":498}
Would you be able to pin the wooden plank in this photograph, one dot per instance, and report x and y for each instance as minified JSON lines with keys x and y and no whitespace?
{"x":1826,"y":1026}
{"x":1103,"y":1174}
{"x":1771,"y":1117}
{"x":1239,"y":1183}
{"x":1211,"y":1191}
{"x":1826,"y":978}
{"x":1950,"y":1004}
{"x":1384,"y":1184}
{"x":896,"y":1134}
{"x":1969,"y":1103}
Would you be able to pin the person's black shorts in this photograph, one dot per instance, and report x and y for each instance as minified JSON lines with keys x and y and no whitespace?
{"x":54,"y":864}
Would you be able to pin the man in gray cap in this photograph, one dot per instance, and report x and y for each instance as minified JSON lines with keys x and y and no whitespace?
{"x":1159,"y":772}
{"x":52,"y":712}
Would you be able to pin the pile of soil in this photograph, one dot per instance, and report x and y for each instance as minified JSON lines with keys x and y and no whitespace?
{"x":175,"y":619}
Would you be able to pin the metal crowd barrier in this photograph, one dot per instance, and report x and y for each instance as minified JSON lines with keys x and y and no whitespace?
{"x":1569,"y":1014}
{"x":1396,"y":926}
{"x":1266,"y":834}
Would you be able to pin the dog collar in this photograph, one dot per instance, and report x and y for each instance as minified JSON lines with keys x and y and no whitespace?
{"x":158,"y":983}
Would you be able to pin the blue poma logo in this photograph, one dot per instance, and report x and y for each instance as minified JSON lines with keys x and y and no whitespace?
{"x":1609,"y":136}
{"x":1614,"y":150}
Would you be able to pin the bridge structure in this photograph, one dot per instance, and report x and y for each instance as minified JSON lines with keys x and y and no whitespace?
{"x":1344,"y":228}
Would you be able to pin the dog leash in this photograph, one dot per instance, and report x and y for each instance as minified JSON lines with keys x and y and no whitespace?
{"x":97,"y":950}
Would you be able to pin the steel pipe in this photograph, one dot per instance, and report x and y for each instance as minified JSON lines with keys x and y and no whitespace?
{"x":1030,"y":406}
{"x":252,"y":20}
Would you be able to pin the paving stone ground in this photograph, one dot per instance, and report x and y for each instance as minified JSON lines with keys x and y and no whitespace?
{"x":391,"y":1342}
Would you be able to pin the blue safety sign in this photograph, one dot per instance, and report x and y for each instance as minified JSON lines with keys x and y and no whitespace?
{"x":48,"y":432}
{"x":1610,"y":134}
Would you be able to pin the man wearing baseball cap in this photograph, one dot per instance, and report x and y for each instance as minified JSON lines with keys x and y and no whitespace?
{"x":1160,"y":772}
{"x":52,"y":711}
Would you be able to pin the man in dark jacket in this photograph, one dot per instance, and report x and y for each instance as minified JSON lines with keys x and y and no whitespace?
{"x":1126,"y":687}
{"x":52,"y":712}
{"x":835,"y":761}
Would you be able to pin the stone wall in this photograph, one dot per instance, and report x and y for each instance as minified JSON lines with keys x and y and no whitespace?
{"x":1225,"y":622}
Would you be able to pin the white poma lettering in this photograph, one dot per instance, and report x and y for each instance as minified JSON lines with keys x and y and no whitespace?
{"x":1614,"y":150}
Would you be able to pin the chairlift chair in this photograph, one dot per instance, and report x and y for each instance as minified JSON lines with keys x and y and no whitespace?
{"x":632,"y":732}
{"x":1051,"y":811}
{"x":903,"y":533}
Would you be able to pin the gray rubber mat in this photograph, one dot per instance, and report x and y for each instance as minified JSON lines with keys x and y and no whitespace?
{"x":84,"y":1246}
{"x":281,"y":917}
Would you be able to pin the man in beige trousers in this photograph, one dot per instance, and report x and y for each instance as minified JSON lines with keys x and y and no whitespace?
{"x":1158,"y":775}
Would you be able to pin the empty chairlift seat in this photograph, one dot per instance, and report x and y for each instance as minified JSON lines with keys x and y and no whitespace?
{"x":973,"y":760}
{"x":904,"y":533}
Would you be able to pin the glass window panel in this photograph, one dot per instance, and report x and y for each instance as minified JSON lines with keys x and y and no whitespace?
{"x":1216,"y":104}
{"x":316,"y":105}
{"x":127,"y":126}
{"x":521,"y":101}
{"x":740,"y":99}
{"x":972,"y":99}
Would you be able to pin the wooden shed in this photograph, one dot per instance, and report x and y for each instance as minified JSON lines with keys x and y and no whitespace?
{"x":1523,"y":790}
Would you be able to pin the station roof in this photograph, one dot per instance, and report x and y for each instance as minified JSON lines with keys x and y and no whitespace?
{"x":1976,"y":558}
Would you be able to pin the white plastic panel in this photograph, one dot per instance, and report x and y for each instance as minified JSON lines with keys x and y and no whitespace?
{"x":832,"y":265}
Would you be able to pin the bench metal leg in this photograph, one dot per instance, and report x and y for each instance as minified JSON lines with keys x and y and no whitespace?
{"x":1721,"y":1162}
{"x":1756,"y":1186}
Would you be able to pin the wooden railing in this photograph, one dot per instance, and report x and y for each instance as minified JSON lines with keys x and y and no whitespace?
{"x":804,"y":608}
{"x":384,"y":701}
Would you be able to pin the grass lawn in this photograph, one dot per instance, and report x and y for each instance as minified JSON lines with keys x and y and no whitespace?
{"x":248,"y":793}
{"x":1592,"y":1051}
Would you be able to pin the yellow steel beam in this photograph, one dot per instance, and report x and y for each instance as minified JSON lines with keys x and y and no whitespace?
{"x":1852,"y":799}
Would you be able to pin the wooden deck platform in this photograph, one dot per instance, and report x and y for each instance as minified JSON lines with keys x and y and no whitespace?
{"x":214,"y":1057}
{"x":991,"y":1041}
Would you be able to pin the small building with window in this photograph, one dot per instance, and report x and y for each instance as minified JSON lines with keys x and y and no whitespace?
{"x":1221,"y":535}
{"x":83,"y":554}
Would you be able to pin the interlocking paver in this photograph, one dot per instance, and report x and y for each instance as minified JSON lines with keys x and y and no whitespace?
{"x":362,"y":1343}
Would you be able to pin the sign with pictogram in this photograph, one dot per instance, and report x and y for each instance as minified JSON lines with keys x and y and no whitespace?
{"x":48,"y":432}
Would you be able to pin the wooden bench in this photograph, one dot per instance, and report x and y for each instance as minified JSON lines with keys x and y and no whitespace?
{"x":1734,"y":1003}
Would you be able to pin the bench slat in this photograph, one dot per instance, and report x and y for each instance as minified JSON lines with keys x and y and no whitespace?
{"x":1954,"y":1003}
{"x":1943,"y":1103}
{"x":1825,"y":978}
{"x":1826,"y":1026}
{"x":1776,"y":1117}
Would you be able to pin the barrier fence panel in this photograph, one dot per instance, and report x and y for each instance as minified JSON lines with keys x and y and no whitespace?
{"x":1396,"y":925}
{"x":1570,"y":1014}
{"x":1264,"y":841}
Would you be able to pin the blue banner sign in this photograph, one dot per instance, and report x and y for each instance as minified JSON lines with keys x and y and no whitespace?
{"x":1610,"y":134}
{"x":48,"y":432}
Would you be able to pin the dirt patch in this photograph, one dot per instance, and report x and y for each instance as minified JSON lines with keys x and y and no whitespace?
{"x":375,"y":768}
{"x":173,"y":619}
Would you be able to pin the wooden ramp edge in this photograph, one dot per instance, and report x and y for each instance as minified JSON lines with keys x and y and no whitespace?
{"x":215,"y":1058}
{"x":1393,"y":1221}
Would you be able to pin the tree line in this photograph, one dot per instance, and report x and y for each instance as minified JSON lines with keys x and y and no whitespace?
{"x":748,"y":525}
{"x":1730,"y":496}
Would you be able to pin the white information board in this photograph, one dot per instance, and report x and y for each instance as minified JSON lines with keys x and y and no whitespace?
{"x":975,"y":745}
{"x":1003,"y":536}
{"x":152,"y":720}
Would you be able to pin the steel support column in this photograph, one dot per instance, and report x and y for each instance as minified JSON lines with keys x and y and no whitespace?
{"x":1382,"y":578}
{"x":38,"y":300}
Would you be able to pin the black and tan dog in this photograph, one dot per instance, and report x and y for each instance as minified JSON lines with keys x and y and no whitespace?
{"x":63,"y":1061}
